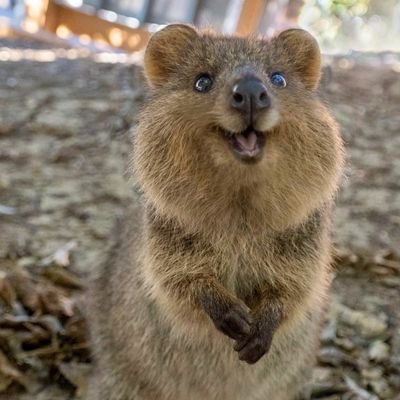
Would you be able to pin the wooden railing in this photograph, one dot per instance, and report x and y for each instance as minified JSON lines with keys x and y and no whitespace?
{"x":89,"y":23}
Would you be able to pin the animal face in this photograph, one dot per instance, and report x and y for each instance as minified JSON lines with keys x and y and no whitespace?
{"x":234,"y":90}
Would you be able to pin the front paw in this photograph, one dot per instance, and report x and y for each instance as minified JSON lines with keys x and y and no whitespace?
{"x":258,"y":342}
{"x":234,"y":321}
{"x":252,"y":348}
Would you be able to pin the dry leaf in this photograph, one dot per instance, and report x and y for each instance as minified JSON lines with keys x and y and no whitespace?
{"x":7,"y":369}
{"x":77,"y":374}
{"x":7,"y":292}
{"x":5,"y":382}
{"x":26,"y":289}
{"x":62,"y":277}
{"x":55,"y":302}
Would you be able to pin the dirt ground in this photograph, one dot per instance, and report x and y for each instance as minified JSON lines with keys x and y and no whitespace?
{"x":65,"y":127}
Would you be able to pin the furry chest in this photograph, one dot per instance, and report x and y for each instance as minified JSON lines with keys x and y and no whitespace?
{"x":245,"y":274}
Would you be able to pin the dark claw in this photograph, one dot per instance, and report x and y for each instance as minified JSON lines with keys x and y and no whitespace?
{"x":255,"y":345}
{"x":241,"y":343}
{"x":253,"y":350}
{"x":235,"y":323}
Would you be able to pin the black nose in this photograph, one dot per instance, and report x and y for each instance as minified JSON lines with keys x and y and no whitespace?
{"x":249,"y":95}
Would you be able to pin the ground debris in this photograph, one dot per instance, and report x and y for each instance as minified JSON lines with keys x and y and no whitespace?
{"x":366,"y":323}
{"x":77,"y":374}
{"x":41,"y":330}
{"x":10,"y":373}
{"x":359,"y":391}
{"x":61,"y":257}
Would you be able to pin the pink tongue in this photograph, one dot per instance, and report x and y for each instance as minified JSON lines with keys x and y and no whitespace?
{"x":249,"y":142}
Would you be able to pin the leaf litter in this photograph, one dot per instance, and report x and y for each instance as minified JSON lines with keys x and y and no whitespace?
{"x":43,"y":334}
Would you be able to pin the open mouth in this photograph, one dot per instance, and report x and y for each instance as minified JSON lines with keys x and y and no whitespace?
{"x":247,"y":145}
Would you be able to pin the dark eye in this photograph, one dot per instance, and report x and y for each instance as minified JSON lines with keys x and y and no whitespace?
{"x":203,"y":83}
{"x":278,"y":80}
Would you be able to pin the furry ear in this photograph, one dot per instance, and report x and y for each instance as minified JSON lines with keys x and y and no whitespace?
{"x":166,"y":50}
{"x":302,"y":51}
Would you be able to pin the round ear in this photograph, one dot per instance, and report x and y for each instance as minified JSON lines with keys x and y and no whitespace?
{"x":302,"y":52}
{"x":166,"y":50}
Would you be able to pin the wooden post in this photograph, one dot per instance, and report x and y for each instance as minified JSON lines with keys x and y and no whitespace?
{"x":50,"y":18}
{"x":250,"y":16}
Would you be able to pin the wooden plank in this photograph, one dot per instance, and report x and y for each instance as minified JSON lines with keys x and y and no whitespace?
{"x":50,"y":19}
{"x":250,"y":17}
{"x":79,"y":23}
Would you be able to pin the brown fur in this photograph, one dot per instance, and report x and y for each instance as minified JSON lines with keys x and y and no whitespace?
{"x":220,"y":245}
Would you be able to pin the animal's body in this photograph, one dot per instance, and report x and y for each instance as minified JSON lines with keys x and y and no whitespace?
{"x":217,"y":282}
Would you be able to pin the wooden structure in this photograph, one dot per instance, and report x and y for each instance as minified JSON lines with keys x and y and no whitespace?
{"x":250,"y":17}
{"x":64,"y":20}
{"x":112,"y":22}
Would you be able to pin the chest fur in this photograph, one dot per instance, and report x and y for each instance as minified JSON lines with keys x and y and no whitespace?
{"x":275,"y":262}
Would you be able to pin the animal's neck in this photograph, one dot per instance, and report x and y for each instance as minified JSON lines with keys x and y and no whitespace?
{"x":241,"y":240}
{"x":234,"y":223}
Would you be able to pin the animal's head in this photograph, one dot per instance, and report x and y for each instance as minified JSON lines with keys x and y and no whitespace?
{"x":234,"y":112}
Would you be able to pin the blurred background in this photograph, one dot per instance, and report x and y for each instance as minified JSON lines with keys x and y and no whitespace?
{"x":71,"y":86}
{"x":340,"y":25}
